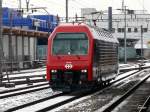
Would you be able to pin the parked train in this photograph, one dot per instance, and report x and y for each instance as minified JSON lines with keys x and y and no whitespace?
{"x":81,"y":56}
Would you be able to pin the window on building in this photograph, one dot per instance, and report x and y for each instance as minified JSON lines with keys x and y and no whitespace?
{"x":145,"y":29}
{"x":113,"y":30}
{"x":130,"y":11}
{"x":135,"y":30}
{"x":122,"y":29}
{"x":119,"y":30}
{"x":129,"y":29}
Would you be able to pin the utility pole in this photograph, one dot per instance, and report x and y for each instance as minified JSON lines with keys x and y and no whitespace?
{"x":1,"y":44}
{"x":20,"y":4}
{"x":142,"y":42}
{"x":66,"y":11}
{"x":125,"y":40}
{"x":76,"y":18}
{"x":122,"y":5}
{"x":27,"y":4}
{"x":10,"y":40}
{"x":110,"y":19}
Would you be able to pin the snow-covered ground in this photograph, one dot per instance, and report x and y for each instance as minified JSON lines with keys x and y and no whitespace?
{"x":38,"y":72}
{"x":19,"y":86}
{"x":145,"y":63}
{"x":30,"y":72}
{"x":87,"y":103}
{"x":18,"y":100}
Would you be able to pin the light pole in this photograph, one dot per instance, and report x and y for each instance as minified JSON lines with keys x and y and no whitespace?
{"x":10,"y":40}
{"x":125,"y":40}
{"x":66,"y":11}
{"x":27,"y":4}
{"x":1,"y":44}
{"x":142,"y":42}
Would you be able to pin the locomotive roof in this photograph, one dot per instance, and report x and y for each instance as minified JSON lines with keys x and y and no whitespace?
{"x":101,"y":34}
{"x":98,"y":33}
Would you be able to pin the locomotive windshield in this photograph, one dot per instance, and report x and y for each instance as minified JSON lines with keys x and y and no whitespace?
{"x":70,"y":44}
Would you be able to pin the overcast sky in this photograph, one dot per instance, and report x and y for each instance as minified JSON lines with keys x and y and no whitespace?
{"x":58,"y":6}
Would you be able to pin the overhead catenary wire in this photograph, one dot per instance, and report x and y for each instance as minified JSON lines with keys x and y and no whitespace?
{"x":141,"y":3}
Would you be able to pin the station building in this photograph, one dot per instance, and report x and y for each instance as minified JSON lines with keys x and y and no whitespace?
{"x":134,"y":20}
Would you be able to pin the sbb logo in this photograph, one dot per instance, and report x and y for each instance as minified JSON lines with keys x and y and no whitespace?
{"x":68,"y":66}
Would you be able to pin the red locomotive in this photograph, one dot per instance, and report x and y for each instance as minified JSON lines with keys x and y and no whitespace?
{"x":80,"y":56}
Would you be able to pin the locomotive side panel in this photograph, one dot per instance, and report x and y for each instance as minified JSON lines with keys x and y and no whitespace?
{"x":108,"y":57}
{"x":105,"y":62}
{"x":105,"y":65}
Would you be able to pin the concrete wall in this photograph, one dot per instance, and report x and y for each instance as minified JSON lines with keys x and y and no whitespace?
{"x":5,"y":46}
{"x":147,"y":53}
{"x":23,"y":48}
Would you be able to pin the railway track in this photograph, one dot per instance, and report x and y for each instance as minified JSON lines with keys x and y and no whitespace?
{"x":145,"y":106}
{"x":25,"y":71}
{"x":23,"y":90}
{"x":46,"y":83}
{"x":132,"y":103}
{"x":50,"y":103}
{"x":32,"y":109}
{"x":100,"y":99}
{"x":25,"y":77}
{"x":20,"y":100}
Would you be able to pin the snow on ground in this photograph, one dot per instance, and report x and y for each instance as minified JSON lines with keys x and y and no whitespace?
{"x":125,"y":74}
{"x":27,"y":74}
{"x":44,"y":104}
{"x":18,"y":100}
{"x":104,"y":107}
{"x":20,"y":86}
{"x":128,"y":66}
{"x":88,"y":97}
{"x":19,"y":91}
{"x":40,"y":71}
{"x":30,"y":70}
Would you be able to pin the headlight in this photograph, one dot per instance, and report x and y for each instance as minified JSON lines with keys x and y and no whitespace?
{"x":53,"y":71}
{"x":84,"y":71}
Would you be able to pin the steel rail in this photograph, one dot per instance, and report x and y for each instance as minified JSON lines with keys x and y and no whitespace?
{"x":65,"y":101}
{"x":35,"y":102}
{"x":145,"y":105}
{"x":22,"y":92}
{"x":22,"y":88}
{"x":123,"y":97}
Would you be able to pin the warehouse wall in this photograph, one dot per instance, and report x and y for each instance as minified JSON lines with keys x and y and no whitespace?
{"x":23,"y":49}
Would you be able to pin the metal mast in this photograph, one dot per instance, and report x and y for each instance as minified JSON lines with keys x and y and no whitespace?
{"x":142,"y":56}
{"x":19,"y":4}
{"x":122,"y":5}
{"x":1,"y":43}
{"x":125,"y":40}
{"x":27,"y":4}
{"x":66,"y":11}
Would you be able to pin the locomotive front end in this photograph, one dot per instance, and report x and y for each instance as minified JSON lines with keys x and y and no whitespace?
{"x":68,"y":62}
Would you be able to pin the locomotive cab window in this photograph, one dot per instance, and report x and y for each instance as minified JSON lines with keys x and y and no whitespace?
{"x":70,"y":44}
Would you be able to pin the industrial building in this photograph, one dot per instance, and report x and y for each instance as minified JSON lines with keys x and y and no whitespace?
{"x":134,"y":20}
{"x":24,"y":39}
